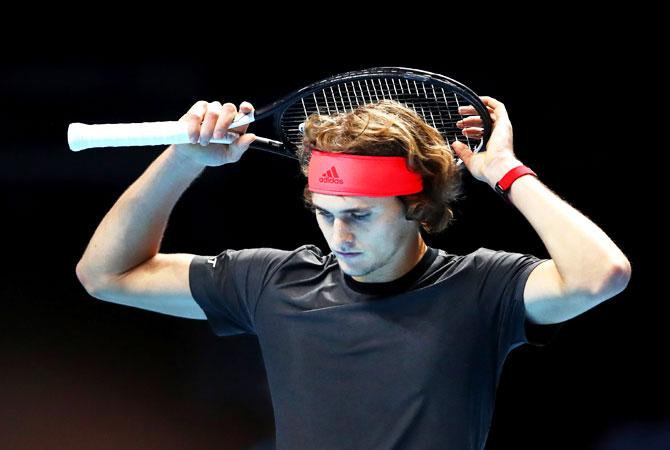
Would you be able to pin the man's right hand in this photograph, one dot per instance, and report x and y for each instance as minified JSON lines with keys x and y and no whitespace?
{"x":211,"y":120}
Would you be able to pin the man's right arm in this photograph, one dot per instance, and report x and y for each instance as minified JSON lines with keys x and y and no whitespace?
{"x":122,"y":263}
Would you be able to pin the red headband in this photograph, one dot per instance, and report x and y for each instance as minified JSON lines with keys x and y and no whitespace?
{"x":361,"y":175}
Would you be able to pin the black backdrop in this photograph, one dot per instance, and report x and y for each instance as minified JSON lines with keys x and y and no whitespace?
{"x":81,"y":373}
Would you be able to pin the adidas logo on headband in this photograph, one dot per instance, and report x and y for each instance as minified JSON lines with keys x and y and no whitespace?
{"x":331,"y":176}
{"x":365,"y":175}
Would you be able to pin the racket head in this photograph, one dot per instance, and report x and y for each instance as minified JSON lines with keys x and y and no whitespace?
{"x":434,"y":97}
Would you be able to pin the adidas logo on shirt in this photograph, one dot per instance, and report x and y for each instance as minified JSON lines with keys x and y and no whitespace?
{"x":331,"y":176}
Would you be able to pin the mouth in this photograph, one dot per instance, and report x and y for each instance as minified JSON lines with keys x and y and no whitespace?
{"x":346,"y":255}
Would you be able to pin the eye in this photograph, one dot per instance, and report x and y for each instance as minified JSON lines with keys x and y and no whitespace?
{"x":328,"y":216}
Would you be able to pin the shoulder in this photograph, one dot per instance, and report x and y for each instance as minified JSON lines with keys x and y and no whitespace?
{"x":305,"y":255}
{"x":486,"y":259}
{"x":247,"y":260}
{"x":499,"y":270}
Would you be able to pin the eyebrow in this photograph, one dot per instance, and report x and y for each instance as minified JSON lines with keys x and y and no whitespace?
{"x":364,"y":209}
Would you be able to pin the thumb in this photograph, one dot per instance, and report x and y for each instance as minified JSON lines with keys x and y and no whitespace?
{"x":462,"y":151}
{"x":240,"y":146}
{"x":244,"y":141}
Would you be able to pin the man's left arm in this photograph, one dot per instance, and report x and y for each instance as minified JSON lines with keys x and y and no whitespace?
{"x":586,"y":266}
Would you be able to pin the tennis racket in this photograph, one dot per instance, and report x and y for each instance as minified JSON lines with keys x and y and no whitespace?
{"x":435,"y":98}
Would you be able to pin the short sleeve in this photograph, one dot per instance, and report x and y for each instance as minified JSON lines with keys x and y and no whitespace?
{"x":229,"y":285}
{"x":504,"y":279}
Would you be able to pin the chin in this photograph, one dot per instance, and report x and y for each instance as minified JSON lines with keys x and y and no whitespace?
{"x":346,"y":268}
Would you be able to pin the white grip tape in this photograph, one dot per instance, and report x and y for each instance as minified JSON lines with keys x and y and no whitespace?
{"x":81,"y":136}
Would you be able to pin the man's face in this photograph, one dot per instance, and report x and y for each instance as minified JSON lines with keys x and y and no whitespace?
{"x":381,"y":242}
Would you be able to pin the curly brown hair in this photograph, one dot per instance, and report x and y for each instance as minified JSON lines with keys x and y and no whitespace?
{"x":388,"y":128}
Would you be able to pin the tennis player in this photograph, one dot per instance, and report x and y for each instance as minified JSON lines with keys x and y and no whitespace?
{"x":384,"y":342}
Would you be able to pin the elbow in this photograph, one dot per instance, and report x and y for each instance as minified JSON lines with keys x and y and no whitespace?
{"x":86,"y":279}
{"x":83,"y":277}
{"x":621,"y":275}
{"x":617,"y":279}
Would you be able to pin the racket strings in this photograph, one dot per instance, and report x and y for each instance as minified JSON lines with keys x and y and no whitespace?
{"x":436,"y":105}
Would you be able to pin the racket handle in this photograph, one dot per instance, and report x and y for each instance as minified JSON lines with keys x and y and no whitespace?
{"x":82,"y":136}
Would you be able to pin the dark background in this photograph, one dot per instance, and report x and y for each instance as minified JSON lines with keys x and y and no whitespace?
{"x":76,"y":372}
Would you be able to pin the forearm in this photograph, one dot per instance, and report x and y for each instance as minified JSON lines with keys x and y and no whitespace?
{"x":584,"y":255}
{"x":132,"y":230}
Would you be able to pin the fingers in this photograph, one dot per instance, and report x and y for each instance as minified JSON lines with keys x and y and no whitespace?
{"x":467,"y":110}
{"x":228,"y":116}
{"x":245,"y":108}
{"x":498,"y":107}
{"x":224,"y":118}
{"x":463,"y":110}
{"x":213,"y":115}
{"x":473,"y":127}
{"x":473,"y":133}
{"x":492,"y":105}
{"x":212,"y":120}
{"x":472,"y":121}
{"x":194,"y":118}
{"x":202,"y":119}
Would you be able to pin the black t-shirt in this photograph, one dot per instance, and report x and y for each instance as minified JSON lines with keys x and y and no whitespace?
{"x":409,"y":364}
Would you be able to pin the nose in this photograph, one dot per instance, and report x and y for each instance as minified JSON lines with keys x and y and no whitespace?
{"x":343,"y":238}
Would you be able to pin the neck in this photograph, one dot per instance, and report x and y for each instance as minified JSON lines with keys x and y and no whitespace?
{"x":415,"y":251}
{"x":422,"y":248}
